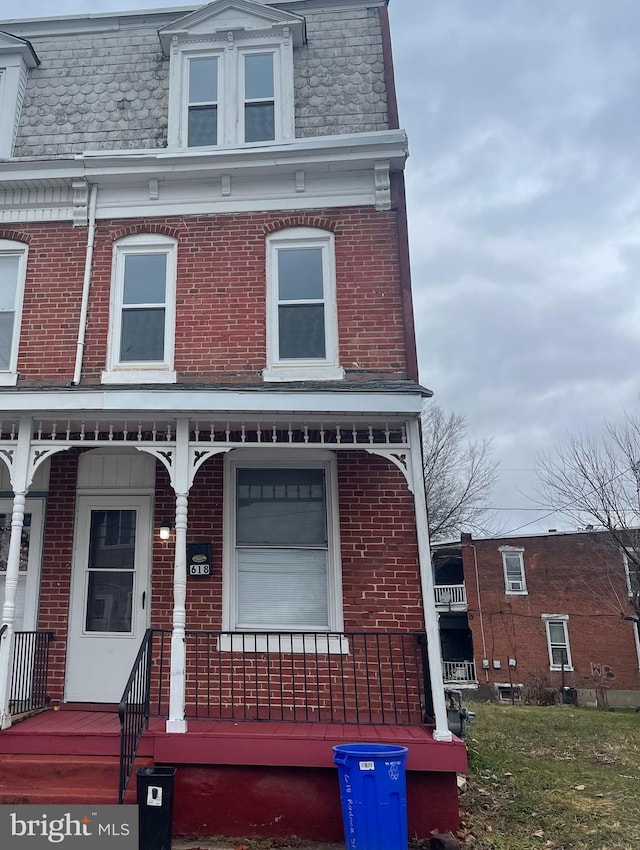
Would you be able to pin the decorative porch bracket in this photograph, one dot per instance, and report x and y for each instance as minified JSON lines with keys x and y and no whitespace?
{"x":399,"y":459}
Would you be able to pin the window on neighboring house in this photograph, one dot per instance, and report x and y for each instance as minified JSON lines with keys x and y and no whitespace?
{"x":558,"y":641}
{"x":513,"y":566}
{"x":13,"y":265}
{"x":302,"y":322}
{"x":282,"y":547}
{"x":631,"y":573}
{"x":142,"y":328}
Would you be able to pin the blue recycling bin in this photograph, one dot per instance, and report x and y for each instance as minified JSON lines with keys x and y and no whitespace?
{"x":373,"y":793}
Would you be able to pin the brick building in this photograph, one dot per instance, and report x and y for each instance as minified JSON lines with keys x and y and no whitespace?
{"x":519,"y":610}
{"x":209,"y":428}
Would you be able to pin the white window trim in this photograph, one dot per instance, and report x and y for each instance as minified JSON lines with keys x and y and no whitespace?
{"x":328,"y":368}
{"x":514,"y":550}
{"x":9,"y":377}
{"x":279,"y":458}
{"x":141,"y":372}
{"x":231,"y":87}
{"x":553,"y":618}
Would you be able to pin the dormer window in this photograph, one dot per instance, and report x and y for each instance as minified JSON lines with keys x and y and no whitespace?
{"x":231,"y":75}
{"x":202,"y":101}
{"x":259,"y":97}
{"x":16,"y":57}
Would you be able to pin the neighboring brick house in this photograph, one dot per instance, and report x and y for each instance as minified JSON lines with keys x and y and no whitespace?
{"x":210,"y":409}
{"x":552,"y":607}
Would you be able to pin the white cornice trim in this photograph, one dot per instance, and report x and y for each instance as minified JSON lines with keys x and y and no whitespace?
{"x":197,"y":401}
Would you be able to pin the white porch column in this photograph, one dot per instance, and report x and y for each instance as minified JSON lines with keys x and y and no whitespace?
{"x":180,"y":480}
{"x":434,"y":654}
{"x":19,"y":477}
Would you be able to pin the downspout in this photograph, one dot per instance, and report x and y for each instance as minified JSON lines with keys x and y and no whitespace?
{"x":86,"y":285}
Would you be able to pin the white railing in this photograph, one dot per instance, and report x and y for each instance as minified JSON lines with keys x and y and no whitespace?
{"x":451,"y":594}
{"x":459,"y":671}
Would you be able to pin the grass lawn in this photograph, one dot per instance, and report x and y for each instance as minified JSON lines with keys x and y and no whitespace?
{"x":557,"y":778}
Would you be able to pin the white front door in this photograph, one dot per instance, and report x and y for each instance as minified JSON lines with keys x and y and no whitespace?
{"x":26,"y":616}
{"x":109,"y":595}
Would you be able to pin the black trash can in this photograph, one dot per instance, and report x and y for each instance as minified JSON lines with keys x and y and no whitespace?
{"x":155,"y":802}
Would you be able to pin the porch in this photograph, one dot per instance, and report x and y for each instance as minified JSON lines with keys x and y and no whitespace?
{"x":264,"y":711}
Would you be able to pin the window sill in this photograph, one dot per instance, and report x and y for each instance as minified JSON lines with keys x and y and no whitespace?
{"x":558,"y":669}
{"x":311,"y":644}
{"x":303,"y":373}
{"x":516,"y":592}
{"x":8,"y":379}
{"x":139,"y":376}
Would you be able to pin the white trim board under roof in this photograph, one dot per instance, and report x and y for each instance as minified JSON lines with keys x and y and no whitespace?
{"x":224,"y":16}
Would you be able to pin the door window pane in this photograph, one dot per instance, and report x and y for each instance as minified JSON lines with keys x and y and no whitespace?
{"x":145,"y":278}
{"x":109,"y":601}
{"x":142,"y":335}
{"x":300,"y":276}
{"x":5,"y":536}
{"x":112,"y":539}
{"x":301,"y":332}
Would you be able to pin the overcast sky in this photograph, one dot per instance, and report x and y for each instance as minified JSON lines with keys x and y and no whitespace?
{"x":523,"y":124}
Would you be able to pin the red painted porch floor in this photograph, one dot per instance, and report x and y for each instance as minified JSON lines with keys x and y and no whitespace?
{"x":225,"y":741}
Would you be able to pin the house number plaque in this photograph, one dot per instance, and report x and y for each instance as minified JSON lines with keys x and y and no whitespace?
{"x":198,"y":559}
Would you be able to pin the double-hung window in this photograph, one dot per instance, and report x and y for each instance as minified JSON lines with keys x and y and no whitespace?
{"x":202,"y":101}
{"x":13,"y":265}
{"x":259,"y":107}
{"x":142,"y":330}
{"x":281,"y":550}
{"x":558,"y":641}
{"x":513,"y":567}
{"x":302,"y":322}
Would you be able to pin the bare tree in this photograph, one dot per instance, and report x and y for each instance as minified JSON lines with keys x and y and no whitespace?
{"x":459,"y":474}
{"x":595,"y":481}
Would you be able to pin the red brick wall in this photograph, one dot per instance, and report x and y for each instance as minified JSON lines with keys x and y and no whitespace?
{"x":574,"y":574}
{"x":220,"y":309}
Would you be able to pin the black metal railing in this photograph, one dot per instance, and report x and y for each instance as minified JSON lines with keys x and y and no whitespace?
{"x":30,"y":672}
{"x":133,"y":711}
{"x":348,"y":677}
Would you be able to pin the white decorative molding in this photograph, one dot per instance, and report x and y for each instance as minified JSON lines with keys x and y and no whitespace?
{"x":226,"y":185}
{"x":154,"y":189}
{"x":382,"y":183}
{"x":198,"y":456}
{"x":80,"y":202}
{"x":300,"y":187}
{"x":399,"y":459}
{"x":37,"y":456}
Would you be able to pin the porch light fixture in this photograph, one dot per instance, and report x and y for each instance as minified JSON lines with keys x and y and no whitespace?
{"x":165,"y":530}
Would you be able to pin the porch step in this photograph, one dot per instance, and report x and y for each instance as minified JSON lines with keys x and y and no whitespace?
{"x":65,"y":780}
